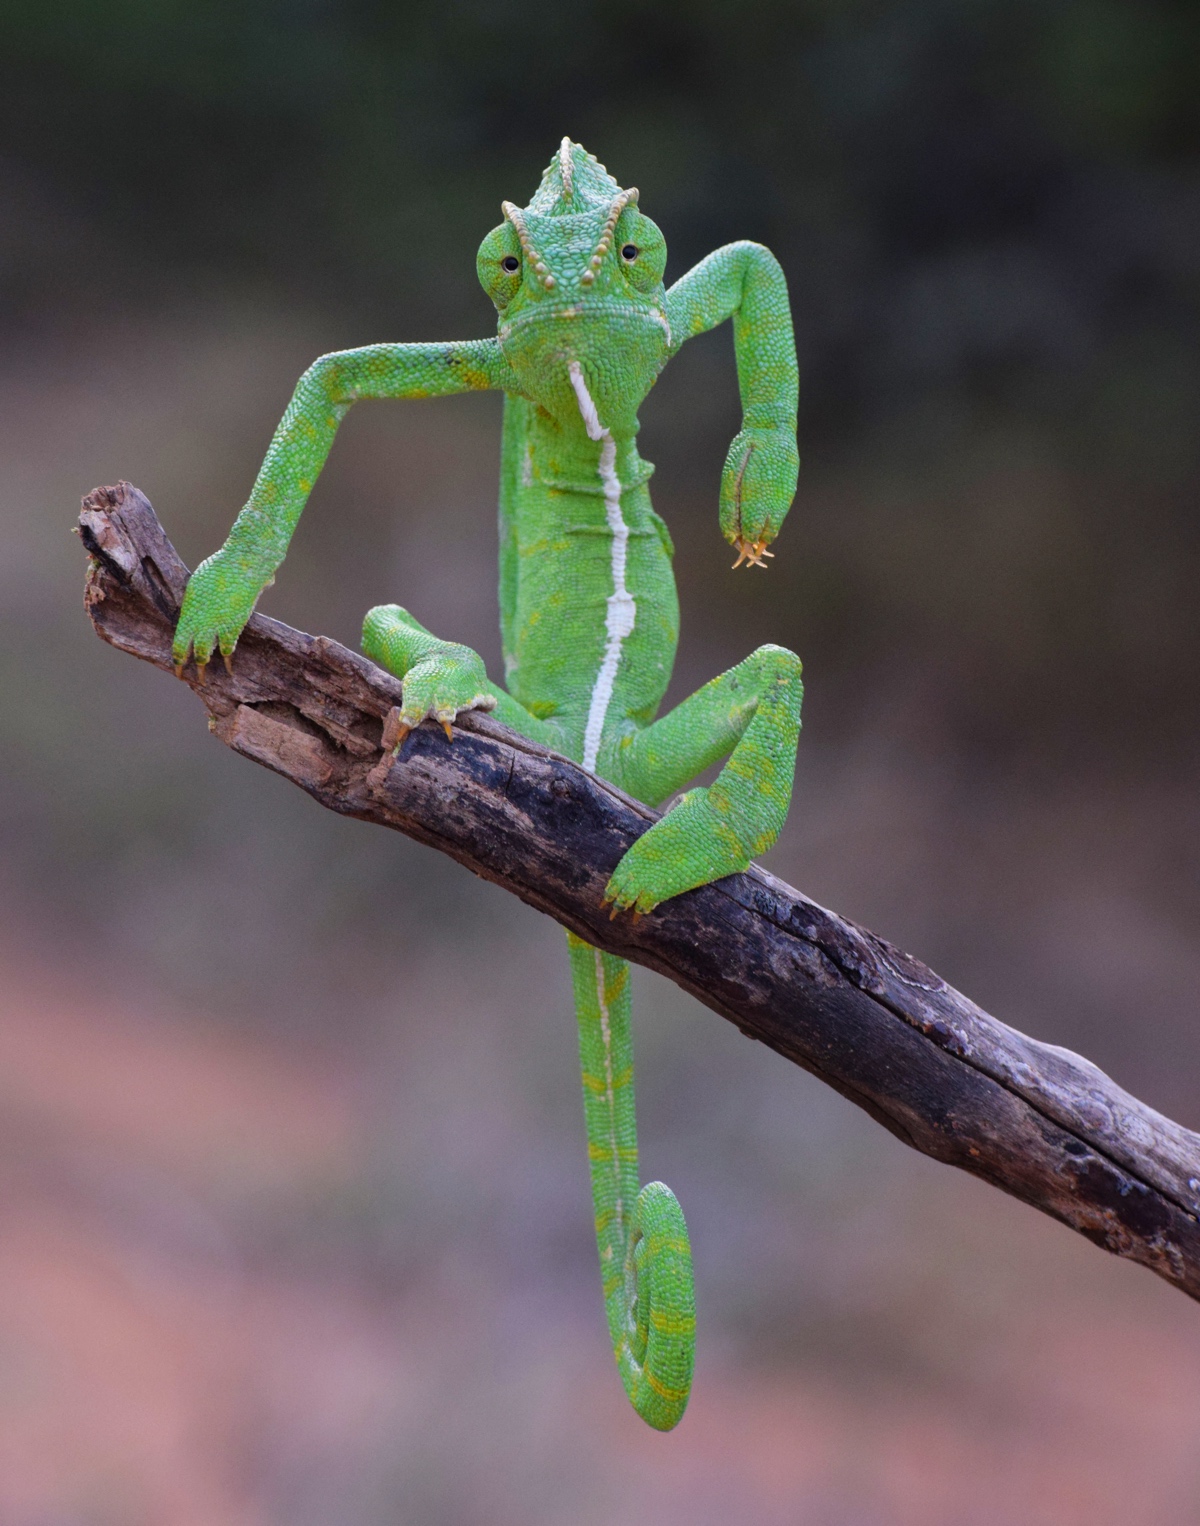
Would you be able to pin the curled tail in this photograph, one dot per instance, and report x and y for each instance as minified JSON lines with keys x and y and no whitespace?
{"x":645,"y":1258}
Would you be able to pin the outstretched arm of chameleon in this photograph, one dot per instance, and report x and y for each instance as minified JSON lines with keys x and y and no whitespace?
{"x":225,"y":587}
{"x":744,"y":282}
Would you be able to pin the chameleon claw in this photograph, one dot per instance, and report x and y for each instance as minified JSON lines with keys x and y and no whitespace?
{"x":751,"y":552}
{"x":446,"y":729}
{"x":227,"y":659}
{"x":179,"y":668}
{"x":201,"y":671}
{"x":394,"y":733}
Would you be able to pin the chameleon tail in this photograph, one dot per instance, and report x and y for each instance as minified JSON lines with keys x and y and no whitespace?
{"x":645,"y":1258}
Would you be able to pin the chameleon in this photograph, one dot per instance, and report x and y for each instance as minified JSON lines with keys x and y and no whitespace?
{"x":589,"y":620}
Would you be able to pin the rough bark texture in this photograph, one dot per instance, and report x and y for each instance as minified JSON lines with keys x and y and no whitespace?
{"x":876,"y":1024}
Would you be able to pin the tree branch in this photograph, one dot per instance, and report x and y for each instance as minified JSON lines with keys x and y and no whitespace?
{"x":878,"y":1026}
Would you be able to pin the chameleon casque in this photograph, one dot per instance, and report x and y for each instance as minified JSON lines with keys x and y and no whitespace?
{"x":589,"y":620}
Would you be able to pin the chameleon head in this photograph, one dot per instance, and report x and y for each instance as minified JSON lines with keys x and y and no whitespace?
{"x":577,"y":275}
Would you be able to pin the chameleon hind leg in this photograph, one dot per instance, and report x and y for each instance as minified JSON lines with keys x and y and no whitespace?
{"x":440,"y":678}
{"x":752,"y":714}
{"x":645,"y":1258}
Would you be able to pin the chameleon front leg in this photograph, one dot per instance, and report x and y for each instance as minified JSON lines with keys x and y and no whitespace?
{"x":752,"y":713}
{"x":744,"y":282}
{"x":224,"y":589}
{"x":645,"y":1258}
{"x":440,"y":678}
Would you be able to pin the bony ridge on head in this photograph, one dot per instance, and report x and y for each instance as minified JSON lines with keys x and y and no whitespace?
{"x":576,"y":189}
{"x":622,"y":200}
{"x":541,"y":270}
{"x":542,"y":273}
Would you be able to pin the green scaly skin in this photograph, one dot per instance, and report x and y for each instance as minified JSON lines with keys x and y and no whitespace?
{"x":589,"y":620}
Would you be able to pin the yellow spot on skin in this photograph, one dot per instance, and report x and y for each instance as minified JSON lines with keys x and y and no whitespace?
{"x":670,"y":1323}
{"x":672,"y":1395}
{"x":599,"y":1085}
{"x":657,"y":1243}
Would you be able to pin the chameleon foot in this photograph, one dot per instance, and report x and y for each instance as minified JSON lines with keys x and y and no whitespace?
{"x":691,"y":845}
{"x":180,"y":663}
{"x":396,"y":729}
{"x":751,"y":552}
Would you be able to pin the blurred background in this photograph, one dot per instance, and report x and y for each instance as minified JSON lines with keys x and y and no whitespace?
{"x":294,"y":1217}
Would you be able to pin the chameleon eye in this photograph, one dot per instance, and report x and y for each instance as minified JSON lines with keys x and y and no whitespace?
{"x":510,"y":263}
{"x":629,"y":253}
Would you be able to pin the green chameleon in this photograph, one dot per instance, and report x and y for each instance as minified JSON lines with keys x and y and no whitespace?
{"x":589,"y":620}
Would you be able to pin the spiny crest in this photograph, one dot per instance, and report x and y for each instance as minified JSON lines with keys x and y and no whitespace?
{"x":574,"y":182}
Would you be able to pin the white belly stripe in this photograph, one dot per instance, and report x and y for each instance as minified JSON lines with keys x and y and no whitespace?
{"x":622,"y":611}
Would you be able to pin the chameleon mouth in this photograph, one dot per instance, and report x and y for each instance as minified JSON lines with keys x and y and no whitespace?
{"x":651,"y":316}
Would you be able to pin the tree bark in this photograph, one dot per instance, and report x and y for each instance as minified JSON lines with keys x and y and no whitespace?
{"x":945,"y":1077}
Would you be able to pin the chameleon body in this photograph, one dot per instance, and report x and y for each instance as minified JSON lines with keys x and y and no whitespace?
{"x":589,"y":620}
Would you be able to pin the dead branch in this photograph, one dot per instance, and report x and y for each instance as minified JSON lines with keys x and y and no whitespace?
{"x":877,"y":1025}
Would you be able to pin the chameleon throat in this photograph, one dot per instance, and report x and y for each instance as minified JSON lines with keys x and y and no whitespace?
{"x":622,"y":611}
